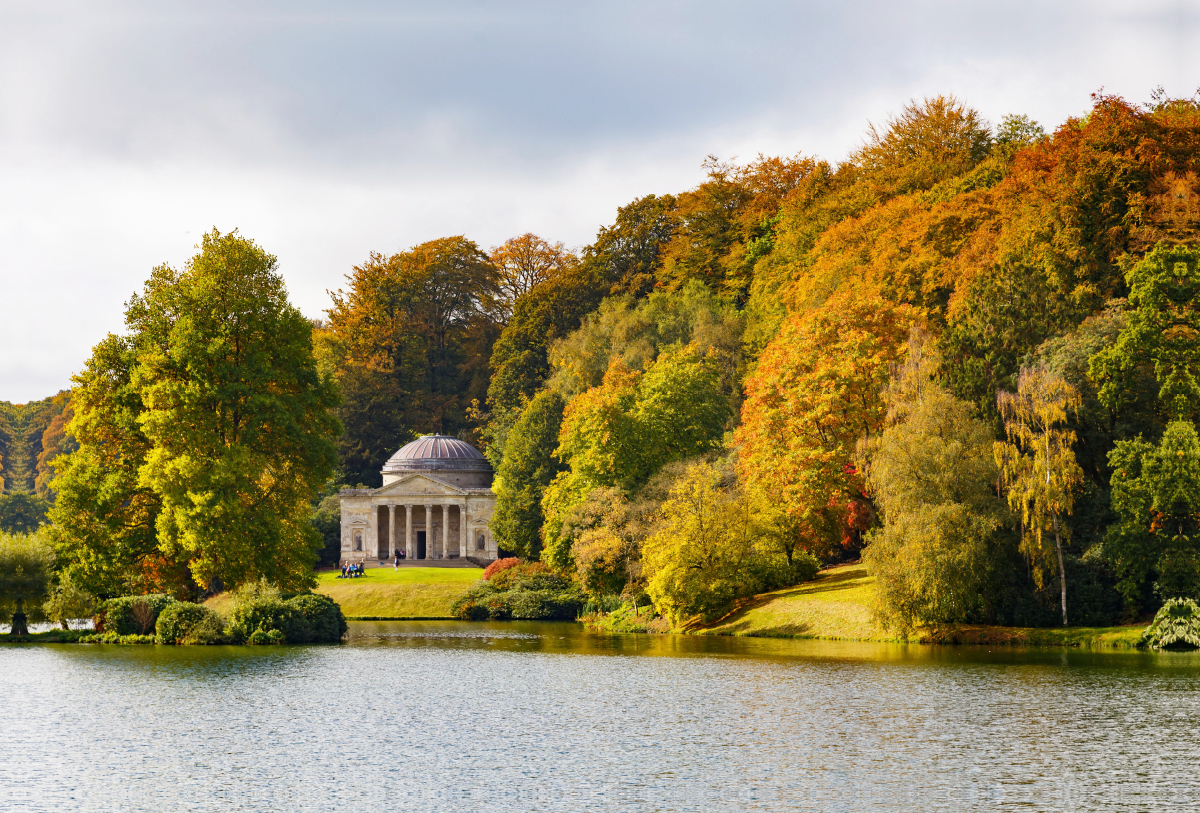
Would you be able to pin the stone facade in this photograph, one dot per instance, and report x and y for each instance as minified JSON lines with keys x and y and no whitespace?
{"x":430,"y":507}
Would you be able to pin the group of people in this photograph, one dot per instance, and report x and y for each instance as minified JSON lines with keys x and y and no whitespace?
{"x":350,"y":571}
{"x":397,"y":556}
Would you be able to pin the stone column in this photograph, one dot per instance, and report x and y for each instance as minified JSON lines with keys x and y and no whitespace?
{"x":408,"y":541}
{"x":463,"y":547}
{"x":391,"y":532}
{"x":428,"y":531}
{"x":445,"y":531}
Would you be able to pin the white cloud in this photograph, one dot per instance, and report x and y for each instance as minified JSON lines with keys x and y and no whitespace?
{"x":325,"y":133}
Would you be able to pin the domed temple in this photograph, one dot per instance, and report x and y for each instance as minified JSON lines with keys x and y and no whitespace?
{"x":435,"y":503}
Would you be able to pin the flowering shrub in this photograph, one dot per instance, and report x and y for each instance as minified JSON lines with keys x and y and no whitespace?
{"x":499,"y":566}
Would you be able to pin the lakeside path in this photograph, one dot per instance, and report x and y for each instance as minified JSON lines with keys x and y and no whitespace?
{"x":837,"y":606}
{"x":406,"y":593}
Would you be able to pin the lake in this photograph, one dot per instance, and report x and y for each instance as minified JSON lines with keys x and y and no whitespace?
{"x":435,"y":716}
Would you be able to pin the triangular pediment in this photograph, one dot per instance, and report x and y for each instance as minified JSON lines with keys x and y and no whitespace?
{"x":420,"y":484}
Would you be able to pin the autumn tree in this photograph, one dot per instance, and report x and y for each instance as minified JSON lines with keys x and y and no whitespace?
{"x":816,"y":391}
{"x":523,"y":262}
{"x":1038,"y":468}
{"x":528,"y":467}
{"x":215,"y":396}
{"x":409,"y":341}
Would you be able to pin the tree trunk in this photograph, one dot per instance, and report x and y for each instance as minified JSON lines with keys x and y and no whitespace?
{"x":19,"y":626}
{"x":1062,"y":570}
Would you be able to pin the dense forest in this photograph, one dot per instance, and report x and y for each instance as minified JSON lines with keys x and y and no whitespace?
{"x":966,"y":353}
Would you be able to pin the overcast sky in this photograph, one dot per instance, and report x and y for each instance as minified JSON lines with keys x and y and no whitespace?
{"x":326,"y":131}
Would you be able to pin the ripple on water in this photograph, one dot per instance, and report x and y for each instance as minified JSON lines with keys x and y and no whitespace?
{"x":450,"y":716}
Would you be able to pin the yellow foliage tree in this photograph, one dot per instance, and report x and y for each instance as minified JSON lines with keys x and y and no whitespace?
{"x":1037,"y":465}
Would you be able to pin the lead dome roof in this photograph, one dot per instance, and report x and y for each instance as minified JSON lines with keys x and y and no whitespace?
{"x":436,"y":453}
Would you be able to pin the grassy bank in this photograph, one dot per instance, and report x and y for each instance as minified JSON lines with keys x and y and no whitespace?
{"x":409,"y":592}
{"x":837,"y":605}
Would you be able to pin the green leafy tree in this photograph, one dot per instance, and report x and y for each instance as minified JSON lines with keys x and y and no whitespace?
{"x":26,"y":568}
{"x":228,"y":423}
{"x":1163,"y":332}
{"x":1156,"y":496}
{"x":68,"y":602}
{"x":623,"y":431}
{"x":527,"y":469}
{"x":1038,"y":466}
{"x":103,"y":519}
{"x":931,"y":473}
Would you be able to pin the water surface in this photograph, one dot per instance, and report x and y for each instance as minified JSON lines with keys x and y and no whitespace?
{"x":438,"y":716}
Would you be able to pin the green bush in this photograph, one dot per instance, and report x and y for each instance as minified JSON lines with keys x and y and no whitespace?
{"x":261,"y":616}
{"x":186,"y":623}
{"x":265,"y":614}
{"x":1175,"y":626}
{"x":533,"y":595}
{"x":323,"y":619}
{"x":131,"y":615}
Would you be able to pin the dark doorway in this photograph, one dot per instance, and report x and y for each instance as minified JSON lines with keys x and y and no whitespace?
{"x":420,"y":544}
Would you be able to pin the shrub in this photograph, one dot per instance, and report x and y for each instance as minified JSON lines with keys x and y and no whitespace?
{"x":525,"y":592}
{"x":499,"y":566}
{"x":186,"y":623}
{"x":322,"y":617}
{"x":131,"y":615}
{"x":265,"y":614}
{"x":114,"y":638}
{"x":304,"y":618}
{"x":1175,"y":626}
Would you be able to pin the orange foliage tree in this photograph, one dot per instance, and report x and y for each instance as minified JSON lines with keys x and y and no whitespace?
{"x":815,"y":393}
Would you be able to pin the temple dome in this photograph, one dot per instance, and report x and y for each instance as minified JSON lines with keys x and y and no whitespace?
{"x":436,"y":453}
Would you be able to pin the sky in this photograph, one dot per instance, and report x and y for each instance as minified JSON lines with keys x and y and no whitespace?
{"x":326,"y":131}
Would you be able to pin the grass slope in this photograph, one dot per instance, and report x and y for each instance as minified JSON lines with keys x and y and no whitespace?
{"x":837,"y":605}
{"x":409,"y":592}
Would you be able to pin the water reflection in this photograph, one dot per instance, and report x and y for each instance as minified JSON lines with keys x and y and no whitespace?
{"x":525,"y":716}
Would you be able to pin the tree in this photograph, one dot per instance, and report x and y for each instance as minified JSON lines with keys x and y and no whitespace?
{"x":103,"y":520}
{"x":703,"y":556}
{"x":68,"y":602}
{"x":527,"y":469}
{"x":22,"y":513}
{"x":637,"y":330}
{"x":220,"y":425}
{"x":815,"y":392}
{"x":928,"y":142}
{"x":409,"y":341}
{"x":931,"y":473}
{"x":1156,"y":496}
{"x":524,"y":262}
{"x":1163,"y":333}
{"x":620,"y":433}
{"x":26,"y":566}
{"x":1037,"y":464}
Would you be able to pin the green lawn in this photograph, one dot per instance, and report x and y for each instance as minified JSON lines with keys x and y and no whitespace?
{"x":837,"y":605}
{"x":406,"y":575}
{"x":410,"y":592}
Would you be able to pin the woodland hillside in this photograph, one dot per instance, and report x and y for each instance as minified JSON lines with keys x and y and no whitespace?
{"x":802,"y":361}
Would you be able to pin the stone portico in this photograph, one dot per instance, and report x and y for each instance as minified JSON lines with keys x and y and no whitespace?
{"x":435,"y":503}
